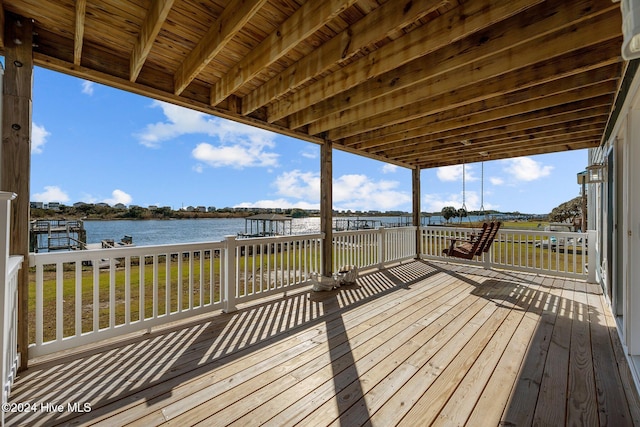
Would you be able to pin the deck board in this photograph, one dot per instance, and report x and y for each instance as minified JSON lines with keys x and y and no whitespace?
{"x":421,"y":343}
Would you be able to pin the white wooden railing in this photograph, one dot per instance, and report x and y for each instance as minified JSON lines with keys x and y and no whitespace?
{"x":9,"y":268}
{"x":374,"y":247}
{"x":270,"y":265}
{"x":84,"y":296}
{"x":544,"y":252}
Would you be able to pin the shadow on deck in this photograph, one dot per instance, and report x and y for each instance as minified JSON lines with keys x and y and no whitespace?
{"x":416,"y":344}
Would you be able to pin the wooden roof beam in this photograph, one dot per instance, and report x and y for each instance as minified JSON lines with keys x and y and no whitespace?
{"x":528,"y":151}
{"x":78,"y":35}
{"x":375,"y":26}
{"x":547,"y":95}
{"x":151,"y":26}
{"x":517,"y":149}
{"x":482,"y":119}
{"x":524,"y":29}
{"x":433,"y":147}
{"x":495,"y":134}
{"x":231,"y":20}
{"x":311,"y":16}
{"x":488,"y":70}
{"x":457,"y":24}
{"x":576,"y":62}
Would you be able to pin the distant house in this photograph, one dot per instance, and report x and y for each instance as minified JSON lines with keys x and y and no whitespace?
{"x":54,"y":206}
{"x":36,"y":205}
{"x":79,"y":204}
{"x":119,"y":206}
{"x":211,"y":209}
{"x":153,"y":207}
{"x":103,"y":205}
{"x":189,"y":209}
{"x":201,"y":209}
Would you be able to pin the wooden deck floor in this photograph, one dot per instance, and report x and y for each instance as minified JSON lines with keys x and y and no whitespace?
{"x":417,"y":344}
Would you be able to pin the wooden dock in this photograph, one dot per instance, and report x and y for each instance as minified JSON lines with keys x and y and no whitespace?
{"x":57,"y":234}
{"x":418,"y":344}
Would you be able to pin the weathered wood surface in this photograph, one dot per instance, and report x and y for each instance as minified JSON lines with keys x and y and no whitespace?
{"x":15,"y":161}
{"x":354,"y":72}
{"x":417,"y":344}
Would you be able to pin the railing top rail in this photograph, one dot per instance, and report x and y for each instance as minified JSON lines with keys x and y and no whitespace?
{"x":118,"y":252}
{"x":279,"y":239}
{"x":371,"y":230}
{"x":510,"y":231}
{"x":14,"y":263}
{"x":128,"y":251}
{"x":7,"y":195}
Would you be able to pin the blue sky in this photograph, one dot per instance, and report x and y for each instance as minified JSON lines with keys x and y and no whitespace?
{"x":92,"y":143}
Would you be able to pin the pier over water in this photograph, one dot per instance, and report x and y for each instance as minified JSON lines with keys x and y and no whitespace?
{"x":57,"y":234}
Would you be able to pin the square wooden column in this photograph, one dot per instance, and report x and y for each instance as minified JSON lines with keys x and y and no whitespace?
{"x":415,"y":181}
{"x":326,"y":206}
{"x":15,"y":154}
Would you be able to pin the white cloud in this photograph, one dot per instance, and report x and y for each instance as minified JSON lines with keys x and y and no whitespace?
{"x":388,"y":168}
{"x":238,"y":156}
{"x":454,"y":173}
{"x":350,"y":192}
{"x":51,"y":193}
{"x":310,"y":153}
{"x":526,"y":169}
{"x":281,"y":203}
{"x":87,"y":87}
{"x":496,"y":181}
{"x":359,"y":192}
{"x":119,"y":196}
{"x":299,"y":185}
{"x":237,"y":145}
{"x":39,"y":137}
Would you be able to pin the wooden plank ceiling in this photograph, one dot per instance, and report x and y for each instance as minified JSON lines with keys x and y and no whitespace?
{"x":418,"y":83}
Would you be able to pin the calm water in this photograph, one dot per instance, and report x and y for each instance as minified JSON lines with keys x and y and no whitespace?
{"x":159,"y":232}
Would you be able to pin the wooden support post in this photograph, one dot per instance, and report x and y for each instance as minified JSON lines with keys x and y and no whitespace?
{"x":415,"y":175}
{"x":326,"y":206}
{"x":16,"y":153}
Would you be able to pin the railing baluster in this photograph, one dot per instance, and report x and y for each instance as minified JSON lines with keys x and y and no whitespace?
{"x":127,"y":290}
{"x":191,"y":278}
{"x":112,"y":292}
{"x":180,"y":262}
{"x":78,"y":298}
{"x":96,"y":294}
{"x":59,"y":299}
{"x":141,"y":285}
{"x":167,"y":283}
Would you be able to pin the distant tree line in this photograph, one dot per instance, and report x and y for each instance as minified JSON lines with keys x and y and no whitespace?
{"x":90,"y":211}
{"x":568,"y":212}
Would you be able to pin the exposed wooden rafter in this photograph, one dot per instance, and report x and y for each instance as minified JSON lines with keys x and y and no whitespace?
{"x":399,"y":82}
{"x":232,"y":19}
{"x":80,"y":10}
{"x":304,"y":22}
{"x":150,"y":28}
{"x":390,"y":17}
{"x":461,"y":22}
{"x":518,"y":59}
